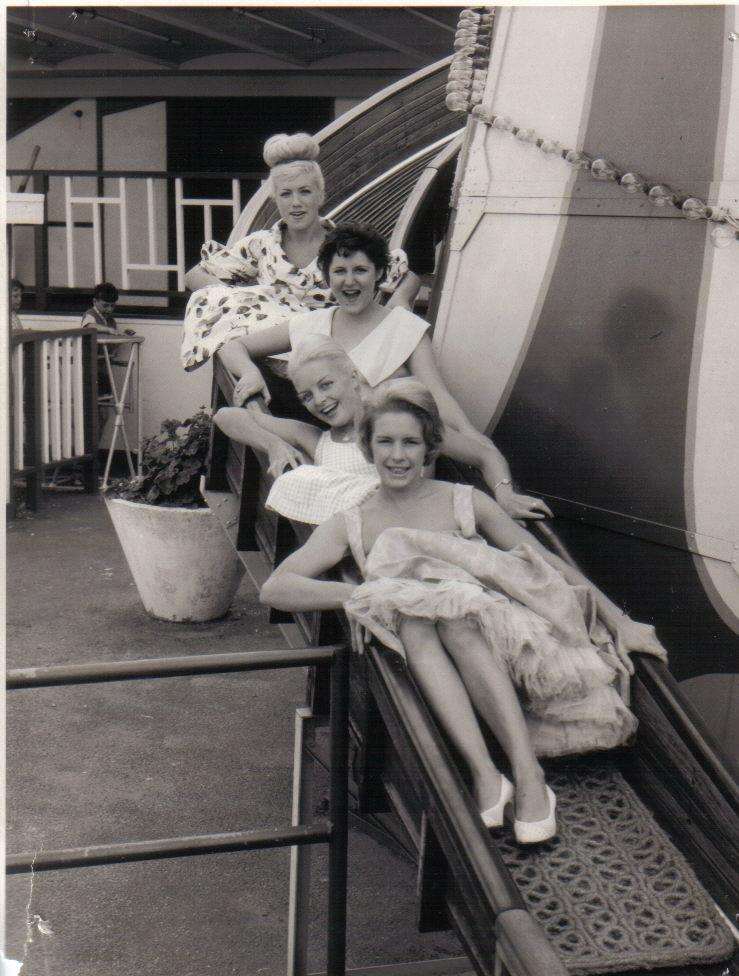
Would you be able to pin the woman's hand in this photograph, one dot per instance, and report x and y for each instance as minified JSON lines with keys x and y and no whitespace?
{"x":632,"y":637}
{"x":283,"y":455}
{"x":360,"y":636}
{"x":519,"y":506}
{"x":251,"y":383}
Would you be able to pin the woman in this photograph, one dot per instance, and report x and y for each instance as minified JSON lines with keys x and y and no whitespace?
{"x":227,"y":305}
{"x":328,"y":386}
{"x":383,"y":342}
{"x":474,"y":623}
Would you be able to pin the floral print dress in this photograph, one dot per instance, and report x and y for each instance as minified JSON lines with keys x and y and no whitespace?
{"x":240,"y":306}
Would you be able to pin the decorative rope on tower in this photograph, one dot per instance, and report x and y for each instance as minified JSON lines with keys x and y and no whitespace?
{"x":465,"y":90}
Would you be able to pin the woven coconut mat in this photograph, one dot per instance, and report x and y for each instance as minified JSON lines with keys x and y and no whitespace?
{"x":611,"y":891}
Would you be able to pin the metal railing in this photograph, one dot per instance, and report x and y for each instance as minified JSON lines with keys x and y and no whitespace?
{"x":53,"y":408}
{"x":151,"y":236}
{"x":333,"y":832}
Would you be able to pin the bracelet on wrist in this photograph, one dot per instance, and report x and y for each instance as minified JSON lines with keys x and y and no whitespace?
{"x":503,"y":481}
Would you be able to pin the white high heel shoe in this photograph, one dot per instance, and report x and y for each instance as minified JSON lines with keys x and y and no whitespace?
{"x":537,"y":831}
{"x":495,"y":816}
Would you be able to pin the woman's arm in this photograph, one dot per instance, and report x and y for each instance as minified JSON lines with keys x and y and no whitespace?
{"x":237,"y":356}
{"x":196,"y":278}
{"x":495,"y":472}
{"x":405,"y":293}
{"x":287,"y":443}
{"x":629,"y":635}
{"x":293,"y":585}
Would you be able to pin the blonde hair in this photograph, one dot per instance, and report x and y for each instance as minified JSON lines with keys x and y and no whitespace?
{"x":298,"y":151}
{"x":404,"y":395}
{"x":314,"y":347}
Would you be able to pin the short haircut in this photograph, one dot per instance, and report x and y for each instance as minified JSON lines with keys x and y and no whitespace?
{"x":404,"y":395}
{"x":348,"y":238}
{"x":16,"y":283}
{"x":314,"y":347}
{"x":105,"y":292}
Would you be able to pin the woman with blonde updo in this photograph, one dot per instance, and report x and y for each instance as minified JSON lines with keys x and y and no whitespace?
{"x":266,"y":277}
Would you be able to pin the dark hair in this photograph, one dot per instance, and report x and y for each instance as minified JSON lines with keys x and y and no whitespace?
{"x":16,"y":283}
{"x":105,"y":292}
{"x":350,"y":237}
{"x":404,"y":395}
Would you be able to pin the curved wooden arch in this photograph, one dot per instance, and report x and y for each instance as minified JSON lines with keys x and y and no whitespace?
{"x":422,"y":190}
{"x":370,"y":139}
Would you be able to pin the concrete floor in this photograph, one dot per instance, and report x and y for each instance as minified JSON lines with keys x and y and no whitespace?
{"x":145,"y":759}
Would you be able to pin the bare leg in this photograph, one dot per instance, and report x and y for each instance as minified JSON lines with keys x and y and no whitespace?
{"x":447,"y":697}
{"x":234,"y":357}
{"x":495,"y":698}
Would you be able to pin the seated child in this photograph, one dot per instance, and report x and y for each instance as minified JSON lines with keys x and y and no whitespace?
{"x":100,"y":316}
{"x":328,"y":385}
{"x":16,"y":297}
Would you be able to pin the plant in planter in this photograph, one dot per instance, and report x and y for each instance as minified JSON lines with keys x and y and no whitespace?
{"x":172,"y":463}
{"x":184,"y":567}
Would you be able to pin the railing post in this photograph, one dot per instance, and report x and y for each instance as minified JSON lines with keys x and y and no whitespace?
{"x":90,"y":400}
{"x":32,"y":432}
{"x":339,"y":798}
{"x":41,"y":246}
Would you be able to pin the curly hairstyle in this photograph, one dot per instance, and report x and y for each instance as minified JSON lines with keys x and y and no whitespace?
{"x":404,"y":395}
{"x":299,"y":151}
{"x":105,"y":292}
{"x":348,"y":238}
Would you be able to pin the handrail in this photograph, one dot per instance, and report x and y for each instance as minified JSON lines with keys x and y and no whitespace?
{"x":333,"y":832}
{"x":480,"y":872}
{"x":36,"y":335}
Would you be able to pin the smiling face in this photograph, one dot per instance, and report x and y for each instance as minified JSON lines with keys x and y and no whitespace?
{"x":298,"y":198}
{"x":353,"y":280}
{"x":398,"y":448}
{"x":327,"y":391}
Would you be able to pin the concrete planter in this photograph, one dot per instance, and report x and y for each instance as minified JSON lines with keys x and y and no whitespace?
{"x":183,"y":565}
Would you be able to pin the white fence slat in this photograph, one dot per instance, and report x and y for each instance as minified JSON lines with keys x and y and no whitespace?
{"x":18,"y":404}
{"x":97,"y":243}
{"x":180,"y":230}
{"x":67,"y":396}
{"x":78,"y":397}
{"x":236,"y":196}
{"x":44,"y":400}
{"x":55,"y":393}
{"x":208,"y":223}
{"x":122,"y":196}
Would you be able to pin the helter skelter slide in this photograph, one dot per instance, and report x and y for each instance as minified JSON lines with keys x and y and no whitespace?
{"x":574,"y":205}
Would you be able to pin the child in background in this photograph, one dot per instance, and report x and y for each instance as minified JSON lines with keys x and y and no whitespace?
{"x":100,"y":316}
{"x":16,"y":297}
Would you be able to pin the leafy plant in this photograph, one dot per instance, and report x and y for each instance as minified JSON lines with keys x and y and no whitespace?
{"x":172,"y":462}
